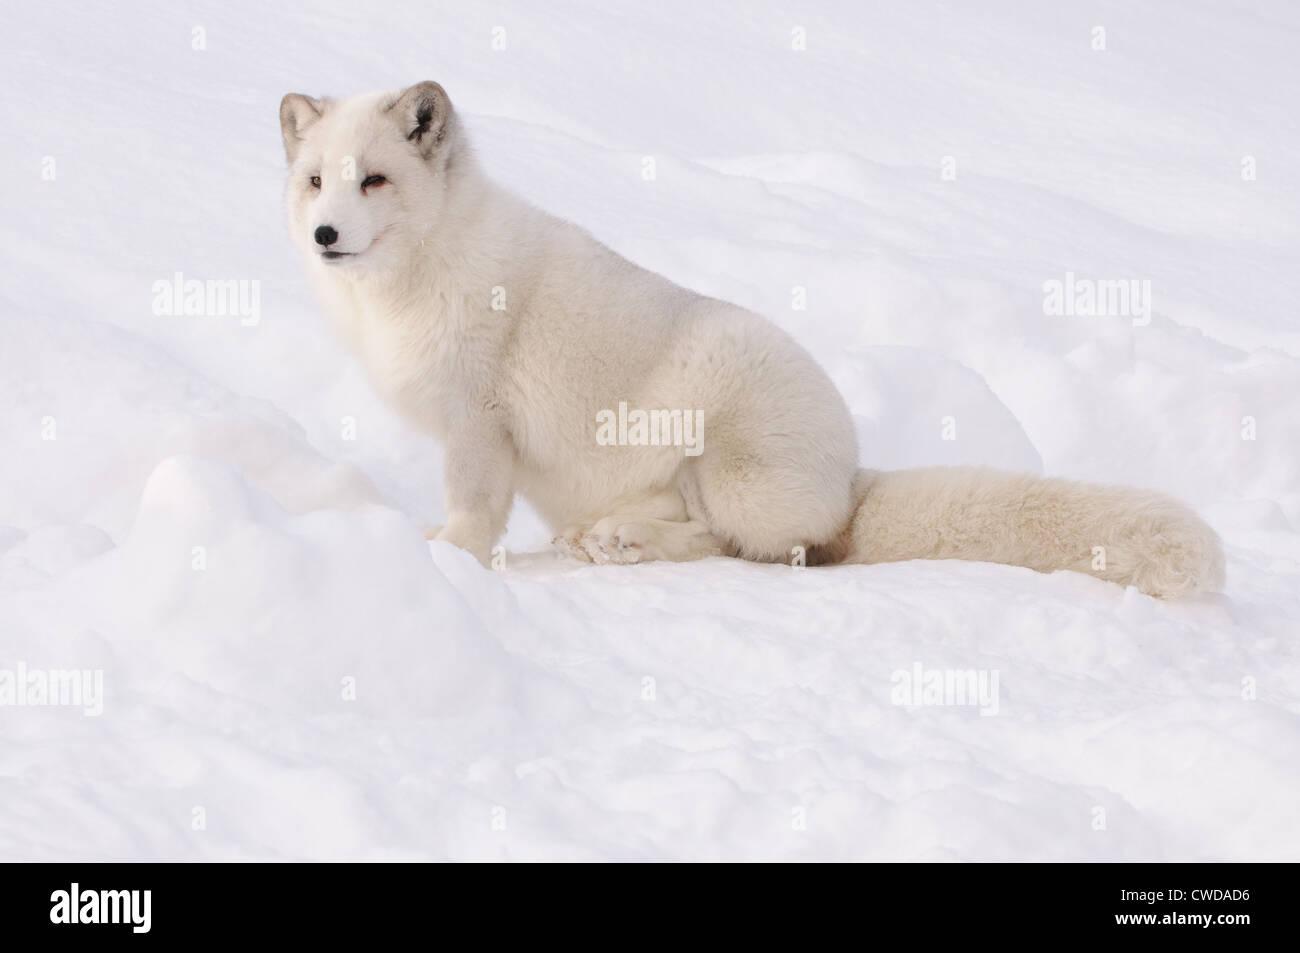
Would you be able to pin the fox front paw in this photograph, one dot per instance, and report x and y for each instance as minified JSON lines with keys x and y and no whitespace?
{"x":465,"y":538}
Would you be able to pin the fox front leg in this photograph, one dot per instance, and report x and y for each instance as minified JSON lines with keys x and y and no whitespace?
{"x":478,"y":488}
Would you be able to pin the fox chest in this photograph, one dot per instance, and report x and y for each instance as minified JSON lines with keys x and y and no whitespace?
{"x":417,"y":370}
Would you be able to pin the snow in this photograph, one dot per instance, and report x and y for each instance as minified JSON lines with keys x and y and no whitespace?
{"x":291,"y":671}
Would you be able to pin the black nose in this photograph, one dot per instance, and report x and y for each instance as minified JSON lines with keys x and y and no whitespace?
{"x":326,"y":236}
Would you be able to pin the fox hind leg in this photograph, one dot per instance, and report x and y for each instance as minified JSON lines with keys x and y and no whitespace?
{"x":662,"y":526}
{"x":628,"y":539}
{"x":569,"y":544}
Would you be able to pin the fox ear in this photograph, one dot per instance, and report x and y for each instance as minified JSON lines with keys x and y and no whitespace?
{"x":297,"y":112}
{"x":424,"y":115}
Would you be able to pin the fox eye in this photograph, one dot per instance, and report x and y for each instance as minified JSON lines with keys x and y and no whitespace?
{"x":315,"y":181}
{"x":372,"y":180}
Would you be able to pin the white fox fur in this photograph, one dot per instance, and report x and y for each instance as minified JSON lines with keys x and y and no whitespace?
{"x":504,"y":332}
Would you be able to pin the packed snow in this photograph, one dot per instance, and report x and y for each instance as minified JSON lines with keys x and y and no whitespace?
{"x":217,"y":515}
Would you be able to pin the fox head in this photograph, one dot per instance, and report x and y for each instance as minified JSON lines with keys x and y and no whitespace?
{"x":366,"y":175}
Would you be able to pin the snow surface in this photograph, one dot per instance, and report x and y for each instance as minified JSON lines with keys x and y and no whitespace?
{"x":710,"y":710}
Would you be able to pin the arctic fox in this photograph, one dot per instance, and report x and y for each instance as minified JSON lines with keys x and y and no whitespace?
{"x":515,"y":338}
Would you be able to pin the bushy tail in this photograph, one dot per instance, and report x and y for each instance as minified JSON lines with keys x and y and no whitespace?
{"x":1133,"y":537}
